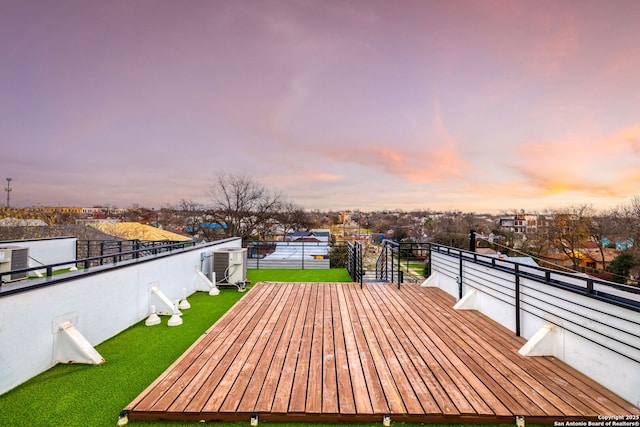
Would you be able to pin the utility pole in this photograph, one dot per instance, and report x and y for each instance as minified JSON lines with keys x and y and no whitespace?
{"x":8,"y":190}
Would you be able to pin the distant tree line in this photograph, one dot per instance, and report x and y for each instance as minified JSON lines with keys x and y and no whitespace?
{"x":240,"y":206}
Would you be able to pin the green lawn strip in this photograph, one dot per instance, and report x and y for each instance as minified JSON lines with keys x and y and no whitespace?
{"x":307,"y":275}
{"x":416,"y":265}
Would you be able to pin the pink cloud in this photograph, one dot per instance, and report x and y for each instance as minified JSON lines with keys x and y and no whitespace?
{"x":591,"y":166}
{"x":428,"y":154}
{"x":627,"y":138}
{"x":425,"y":164}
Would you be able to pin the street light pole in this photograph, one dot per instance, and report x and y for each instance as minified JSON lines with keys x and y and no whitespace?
{"x":8,"y":190}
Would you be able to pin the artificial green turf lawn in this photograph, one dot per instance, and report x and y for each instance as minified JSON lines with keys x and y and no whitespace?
{"x":307,"y":275}
{"x":94,"y":395}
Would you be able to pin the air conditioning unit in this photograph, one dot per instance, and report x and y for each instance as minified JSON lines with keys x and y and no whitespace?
{"x":13,"y":258}
{"x":229,"y":266}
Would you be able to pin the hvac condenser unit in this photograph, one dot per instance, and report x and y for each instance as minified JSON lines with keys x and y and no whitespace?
{"x":230,"y":266}
{"x":13,"y":258}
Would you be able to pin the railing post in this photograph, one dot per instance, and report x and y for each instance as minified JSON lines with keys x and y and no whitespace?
{"x":589,"y":286}
{"x":460,"y":278}
{"x":386,"y":261}
{"x":393,"y":267}
{"x":399,"y":263}
{"x":360,"y":263}
{"x":517,"y":272}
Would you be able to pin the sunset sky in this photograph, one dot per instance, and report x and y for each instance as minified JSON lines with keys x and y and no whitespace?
{"x":483,"y":105}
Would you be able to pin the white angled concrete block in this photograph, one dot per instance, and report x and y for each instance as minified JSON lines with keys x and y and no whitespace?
{"x":433,"y":280}
{"x":73,"y":347}
{"x":546,"y":342}
{"x":468,"y":302}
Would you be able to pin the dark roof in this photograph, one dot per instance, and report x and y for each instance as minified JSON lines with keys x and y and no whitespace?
{"x":308,"y":233}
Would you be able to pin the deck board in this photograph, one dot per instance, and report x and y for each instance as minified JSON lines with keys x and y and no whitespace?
{"x":336,"y":352}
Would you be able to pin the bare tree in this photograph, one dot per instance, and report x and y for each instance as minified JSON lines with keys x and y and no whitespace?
{"x":601,"y":227}
{"x":192,"y":217}
{"x":132,"y":214}
{"x":629,"y":231}
{"x":536,"y":242}
{"x":632,"y":222}
{"x":569,"y":229}
{"x":243,"y":205}
{"x":451,"y":229}
{"x":293,"y":218}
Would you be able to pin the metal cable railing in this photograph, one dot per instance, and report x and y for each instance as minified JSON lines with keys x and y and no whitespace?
{"x":390,"y":266}
{"x":557,"y":297}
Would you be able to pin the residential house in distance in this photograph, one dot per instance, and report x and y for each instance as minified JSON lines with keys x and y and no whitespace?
{"x":309,"y":236}
{"x":591,"y":258}
{"x":300,"y":249}
{"x":317,"y":242}
{"x":519,"y":223}
{"x":621,"y":245}
{"x":587,"y":259}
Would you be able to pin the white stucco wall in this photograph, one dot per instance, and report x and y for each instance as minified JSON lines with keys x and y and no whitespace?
{"x":100,"y":302}
{"x":47,"y":251}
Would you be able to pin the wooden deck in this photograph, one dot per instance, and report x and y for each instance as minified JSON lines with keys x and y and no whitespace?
{"x":335,"y":352}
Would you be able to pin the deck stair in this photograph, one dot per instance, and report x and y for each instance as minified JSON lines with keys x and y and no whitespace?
{"x":371,"y":277}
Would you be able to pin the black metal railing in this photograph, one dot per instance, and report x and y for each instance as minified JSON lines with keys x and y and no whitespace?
{"x":288,"y":254}
{"x":395,"y":258}
{"x":354,"y":263}
{"x":513,"y":292}
{"x":102,"y":250}
{"x":127,"y":252}
{"x":616,"y":293}
{"x":382,"y":263}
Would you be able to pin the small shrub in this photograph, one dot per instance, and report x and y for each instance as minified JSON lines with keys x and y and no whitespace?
{"x":338,"y":256}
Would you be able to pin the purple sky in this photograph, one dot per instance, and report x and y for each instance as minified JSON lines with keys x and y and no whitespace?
{"x":364,"y":104}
